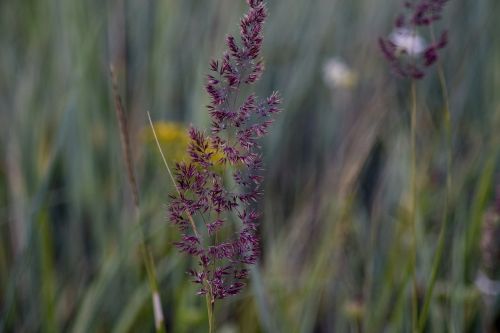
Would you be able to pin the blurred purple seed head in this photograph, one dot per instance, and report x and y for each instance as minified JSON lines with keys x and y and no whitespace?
{"x":405,"y":50}
{"x":231,"y":149}
{"x":425,"y":12}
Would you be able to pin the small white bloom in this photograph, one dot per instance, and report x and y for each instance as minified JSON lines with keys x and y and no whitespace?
{"x":407,"y":41}
{"x":337,"y":74}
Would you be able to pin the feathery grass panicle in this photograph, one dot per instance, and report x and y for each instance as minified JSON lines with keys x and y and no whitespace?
{"x":405,"y":50}
{"x":231,"y":149}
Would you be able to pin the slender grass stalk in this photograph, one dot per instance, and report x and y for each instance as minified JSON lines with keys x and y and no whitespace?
{"x":191,"y":221}
{"x":145,"y":252}
{"x":444,"y":224}
{"x":413,"y":202}
{"x":422,"y":14}
{"x":208,"y":297}
{"x":210,"y":313}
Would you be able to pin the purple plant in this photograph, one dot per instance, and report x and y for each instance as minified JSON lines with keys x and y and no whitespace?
{"x":404,"y":49}
{"x":206,"y":201}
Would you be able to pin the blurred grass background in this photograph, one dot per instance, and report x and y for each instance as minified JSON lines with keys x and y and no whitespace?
{"x":336,"y":237}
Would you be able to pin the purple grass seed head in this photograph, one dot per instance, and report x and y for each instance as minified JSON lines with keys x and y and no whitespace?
{"x":204,"y":205}
{"x":405,"y":49}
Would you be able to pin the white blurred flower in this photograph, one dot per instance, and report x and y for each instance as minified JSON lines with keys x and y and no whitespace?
{"x":337,"y":74}
{"x":486,"y":285}
{"x":407,"y":41}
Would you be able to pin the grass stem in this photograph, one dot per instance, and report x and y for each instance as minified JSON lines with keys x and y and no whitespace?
{"x":413,"y":202}
{"x":145,"y":253}
{"x":444,"y":224}
{"x":210,"y":313}
{"x":209,"y":295}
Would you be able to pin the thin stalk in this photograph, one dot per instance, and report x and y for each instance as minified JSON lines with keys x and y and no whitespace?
{"x":209,"y":296}
{"x":191,"y":220}
{"x":210,"y":313}
{"x":145,"y":253}
{"x":153,"y":283}
{"x":444,"y":224}
{"x":413,"y":202}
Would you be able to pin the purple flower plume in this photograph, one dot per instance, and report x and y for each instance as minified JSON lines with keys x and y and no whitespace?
{"x":221,"y":180}
{"x":404,"y":49}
